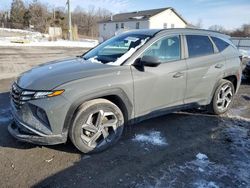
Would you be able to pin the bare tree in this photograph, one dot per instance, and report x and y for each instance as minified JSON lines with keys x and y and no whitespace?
{"x":87,"y":21}
{"x":218,"y":28}
{"x":199,"y":24}
{"x":39,"y":16}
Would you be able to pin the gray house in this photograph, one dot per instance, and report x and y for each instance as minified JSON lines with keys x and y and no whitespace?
{"x":147,"y":19}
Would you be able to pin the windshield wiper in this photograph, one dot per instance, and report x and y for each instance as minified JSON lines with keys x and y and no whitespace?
{"x":81,"y":56}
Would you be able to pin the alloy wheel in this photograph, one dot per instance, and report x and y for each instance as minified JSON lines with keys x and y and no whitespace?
{"x":99,"y":128}
{"x":224,"y":97}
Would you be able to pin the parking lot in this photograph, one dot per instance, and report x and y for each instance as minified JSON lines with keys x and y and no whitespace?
{"x":183,"y":149}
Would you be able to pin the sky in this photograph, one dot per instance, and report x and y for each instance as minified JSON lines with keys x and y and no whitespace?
{"x":230,"y":14}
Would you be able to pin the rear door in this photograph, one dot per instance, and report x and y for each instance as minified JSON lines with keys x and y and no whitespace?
{"x":205,"y":67}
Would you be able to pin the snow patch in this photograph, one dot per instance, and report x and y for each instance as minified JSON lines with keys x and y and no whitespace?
{"x":201,"y":156}
{"x":125,"y":56}
{"x":205,"y":184}
{"x":94,"y":60}
{"x":204,"y":173}
{"x":200,"y":173}
{"x":245,"y":53}
{"x":30,"y":38}
{"x":59,"y":43}
{"x":153,"y":138}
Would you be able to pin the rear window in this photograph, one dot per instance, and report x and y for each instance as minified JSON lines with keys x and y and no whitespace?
{"x":199,"y":45}
{"x":221,"y":44}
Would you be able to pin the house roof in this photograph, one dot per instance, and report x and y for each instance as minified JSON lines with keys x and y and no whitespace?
{"x":138,"y":15}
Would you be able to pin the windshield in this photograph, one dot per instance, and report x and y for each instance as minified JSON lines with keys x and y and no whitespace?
{"x":116,"y":50}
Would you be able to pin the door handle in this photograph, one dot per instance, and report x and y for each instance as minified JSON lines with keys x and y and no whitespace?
{"x":218,"y":66}
{"x":178,"y":75}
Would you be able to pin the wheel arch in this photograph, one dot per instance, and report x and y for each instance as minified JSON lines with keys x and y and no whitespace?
{"x":116,"y":96}
{"x":231,"y":78}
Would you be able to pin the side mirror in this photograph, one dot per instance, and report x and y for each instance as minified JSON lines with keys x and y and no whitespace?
{"x":150,"y":61}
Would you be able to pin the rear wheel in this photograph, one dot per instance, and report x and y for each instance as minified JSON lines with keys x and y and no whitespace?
{"x":223,"y":97}
{"x":98,"y":125}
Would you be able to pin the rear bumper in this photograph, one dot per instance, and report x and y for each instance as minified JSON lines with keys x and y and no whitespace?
{"x":20,"y":132}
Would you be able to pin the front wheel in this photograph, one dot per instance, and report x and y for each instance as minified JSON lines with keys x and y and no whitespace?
{"x":223,"y":97}
{"x":98,"y":124}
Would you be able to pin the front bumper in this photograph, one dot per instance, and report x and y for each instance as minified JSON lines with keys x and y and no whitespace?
{"x":20,"y":132}
{"x":29,"y":128}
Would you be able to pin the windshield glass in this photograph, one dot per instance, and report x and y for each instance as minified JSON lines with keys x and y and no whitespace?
{"x":116,"y":50}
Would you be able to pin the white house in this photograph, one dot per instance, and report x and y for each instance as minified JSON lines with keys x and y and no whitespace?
{"x":147,"y":19}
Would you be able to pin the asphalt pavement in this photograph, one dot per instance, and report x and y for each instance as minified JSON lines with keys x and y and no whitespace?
{"x":182,"y":149}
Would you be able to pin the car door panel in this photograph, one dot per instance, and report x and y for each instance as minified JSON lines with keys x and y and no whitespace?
{"x":164,"y":85}
{"x":158,"y":87}
{"x":202,"y":74}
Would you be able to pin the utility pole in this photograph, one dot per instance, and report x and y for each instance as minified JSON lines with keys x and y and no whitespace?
{"x":69,"y":18}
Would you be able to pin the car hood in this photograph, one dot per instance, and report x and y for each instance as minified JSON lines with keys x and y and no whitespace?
{"x":50,"y":75}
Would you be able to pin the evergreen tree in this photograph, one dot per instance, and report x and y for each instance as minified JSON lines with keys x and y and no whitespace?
{"x":17,"y":14}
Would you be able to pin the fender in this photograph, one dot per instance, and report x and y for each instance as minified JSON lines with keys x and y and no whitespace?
{"x":217,"y":84}
{"x":99,"y":94}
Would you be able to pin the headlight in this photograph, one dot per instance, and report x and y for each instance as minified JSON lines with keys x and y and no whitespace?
{"x":45,"y":94}
{"x":29,"y":95}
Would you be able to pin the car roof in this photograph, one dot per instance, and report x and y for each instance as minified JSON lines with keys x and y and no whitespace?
{"x":192,"y":31}
{"x":149,"y":32}
{"x":154,"y":32}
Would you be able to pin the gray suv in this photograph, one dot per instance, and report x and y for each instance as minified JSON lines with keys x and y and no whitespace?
{"x":131,"y":77}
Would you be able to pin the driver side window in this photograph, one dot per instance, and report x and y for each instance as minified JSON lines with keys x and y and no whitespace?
{"x":166,"y":49}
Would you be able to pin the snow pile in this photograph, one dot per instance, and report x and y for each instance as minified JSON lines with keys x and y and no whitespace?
{"x":18,"y":37}
{"x":153,"y":138}
{"x":8,"y":35}
{"x":59,"y":43}
{"x":245,"y":53}
{"x":17,"y":31}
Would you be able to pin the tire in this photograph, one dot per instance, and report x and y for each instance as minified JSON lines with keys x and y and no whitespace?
{"x":98,"y":124}
{"x":223,"y":97}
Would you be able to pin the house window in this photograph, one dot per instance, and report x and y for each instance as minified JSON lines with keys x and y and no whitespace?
{"x":165,"y":26}
{"x":104,"y":27}
{"x":137,"y":25}
{"x":172,"y":25}
{"x":122,"y":25}
{"x":117,"y":26}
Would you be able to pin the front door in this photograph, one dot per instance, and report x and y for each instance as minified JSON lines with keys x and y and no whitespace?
{"x":162,"y":86}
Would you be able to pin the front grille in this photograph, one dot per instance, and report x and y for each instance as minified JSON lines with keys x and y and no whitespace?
{"x":20,"y":96}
